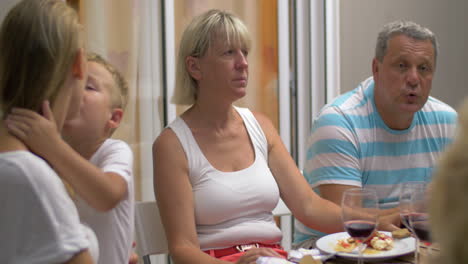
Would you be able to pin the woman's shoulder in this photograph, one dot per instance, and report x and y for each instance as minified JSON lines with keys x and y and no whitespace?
{"x":12,"y":165}
{"x":32,"y":175}
{"x":24,"y":166}
{"x":168,"y":153}
{"x":264,"y":121}
{"x":167,"y":142}
{"x":259,"y":116}
{"x":266,"y":125}
{"x":166,"y":137}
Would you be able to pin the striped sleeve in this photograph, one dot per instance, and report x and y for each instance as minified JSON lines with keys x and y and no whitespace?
{"x":333,"y":153}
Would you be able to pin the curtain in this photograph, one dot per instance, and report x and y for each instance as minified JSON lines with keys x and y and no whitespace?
{"x":112,"y":31}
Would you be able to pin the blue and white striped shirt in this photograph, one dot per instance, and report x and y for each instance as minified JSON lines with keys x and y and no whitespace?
{"x":351,"y":145}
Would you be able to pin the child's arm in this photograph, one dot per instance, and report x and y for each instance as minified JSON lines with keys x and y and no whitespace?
{"x":101,"y":190}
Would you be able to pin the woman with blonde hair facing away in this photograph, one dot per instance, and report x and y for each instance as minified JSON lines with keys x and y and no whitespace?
{"x":41,"y":59}
{"x":449,"y":197}
{"x":219,"y":170}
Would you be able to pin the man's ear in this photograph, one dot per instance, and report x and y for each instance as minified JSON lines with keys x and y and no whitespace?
{"x":80,"y":64}
{"x":116,"y":118}
{"x":193,"y":67}
{"x":375,"y":66}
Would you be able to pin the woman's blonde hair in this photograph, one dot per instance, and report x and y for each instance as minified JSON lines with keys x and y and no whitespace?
{"x":449,"y":196}
{"x":196,"y":40}
{"x":39,"y":41}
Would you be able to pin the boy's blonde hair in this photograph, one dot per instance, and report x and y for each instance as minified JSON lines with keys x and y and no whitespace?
{"x":119,"y":93}
{"x":39,"y":41}
{"x":196,"y":40}
{"x":449,"y":196}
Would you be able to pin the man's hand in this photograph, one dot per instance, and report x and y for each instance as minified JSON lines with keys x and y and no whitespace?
{"x":39,"y":133}
{"x":390,"y":222}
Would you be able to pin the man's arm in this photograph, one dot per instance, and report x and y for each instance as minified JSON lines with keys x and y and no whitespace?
{"x":334,"y":193}
{"x":333,"y":164}
{"x":333,"y":156}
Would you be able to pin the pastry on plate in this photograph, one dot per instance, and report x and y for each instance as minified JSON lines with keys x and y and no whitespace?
{"x":401,"y":233}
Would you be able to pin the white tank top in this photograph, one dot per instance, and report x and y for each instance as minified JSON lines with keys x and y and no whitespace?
{"x":232,"y":208}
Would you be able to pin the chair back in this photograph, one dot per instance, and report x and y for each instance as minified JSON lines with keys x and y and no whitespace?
{"x":281,"y":209}
{"x":149,"y":231}
{"x":283,"y":212}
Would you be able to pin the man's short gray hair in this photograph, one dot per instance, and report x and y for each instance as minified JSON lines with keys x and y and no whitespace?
{"x":407,"y":28}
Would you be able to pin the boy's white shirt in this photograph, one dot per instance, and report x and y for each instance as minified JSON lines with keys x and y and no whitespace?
{"x":114,"y":228}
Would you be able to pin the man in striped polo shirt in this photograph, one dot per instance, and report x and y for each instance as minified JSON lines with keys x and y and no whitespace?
{"x":386,"y":131}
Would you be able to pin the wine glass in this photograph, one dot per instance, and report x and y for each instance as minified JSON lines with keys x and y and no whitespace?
{"x":360,"y":214}
{"x":407,"y":190}
{"x":419,"y":217}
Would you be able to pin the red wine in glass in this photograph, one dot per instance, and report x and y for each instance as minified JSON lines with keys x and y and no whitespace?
{"x":405,"y":219}
{"x":407,"y":191}
{"x":359,"y":229}
{"x":359,"y":211}
{"x":421,"y":229}
{"x":412,"y":203}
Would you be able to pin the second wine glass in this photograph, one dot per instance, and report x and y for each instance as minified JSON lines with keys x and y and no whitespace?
{"x":407,"y":190}
{"x":360,"y":215}
{"x":419,"y":218}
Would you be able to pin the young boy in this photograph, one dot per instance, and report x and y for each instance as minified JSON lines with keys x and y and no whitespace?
{"x":98,"y":169}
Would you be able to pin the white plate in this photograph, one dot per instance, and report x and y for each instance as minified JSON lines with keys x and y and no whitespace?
{"x":400,"y":247}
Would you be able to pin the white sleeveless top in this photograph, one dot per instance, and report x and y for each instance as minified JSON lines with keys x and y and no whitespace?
{"x":232,"y":208}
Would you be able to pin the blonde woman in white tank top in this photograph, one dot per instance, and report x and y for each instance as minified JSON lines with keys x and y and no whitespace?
{"x":219,"y":170}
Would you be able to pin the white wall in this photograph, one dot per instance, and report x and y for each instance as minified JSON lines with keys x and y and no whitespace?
{"x":360,"y":21}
